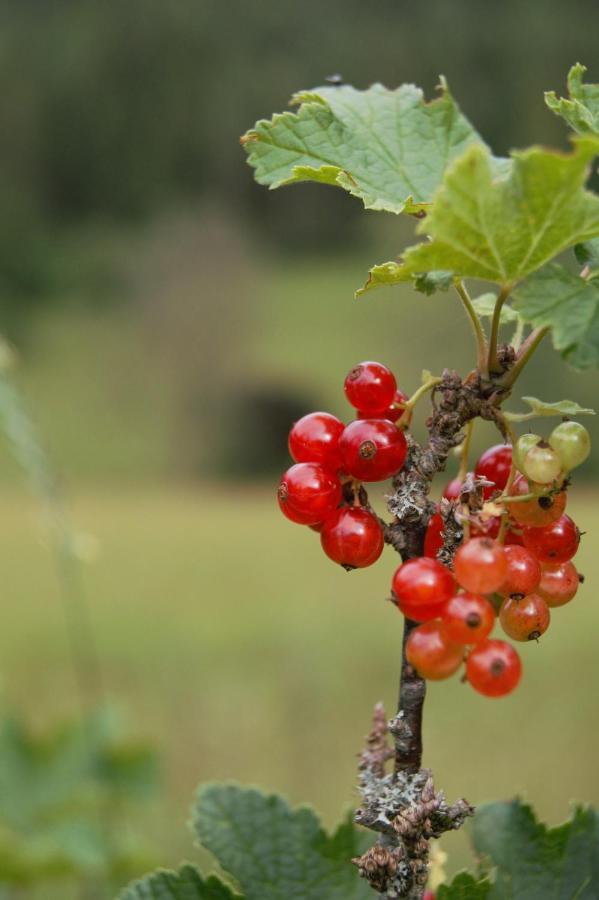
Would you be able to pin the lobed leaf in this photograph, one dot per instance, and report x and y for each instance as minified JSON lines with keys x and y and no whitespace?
{"x":485,"y":307}
{"x":186,"y":884}
{"x":389,"y":148}
{"x":534,"y":862}
{"x":569,"y":305}
{"x":501,"y":229}
{"x":273,"y":851}
{"x":465,"y":887}
{"x":539,"y":408}
{"x":581,"y":110}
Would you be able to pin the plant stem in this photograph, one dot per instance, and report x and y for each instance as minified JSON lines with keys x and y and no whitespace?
{"x":479,"y":335}
{"x":465,"y":451}
{"x":493,"y":367}
{"x":526,"y":351}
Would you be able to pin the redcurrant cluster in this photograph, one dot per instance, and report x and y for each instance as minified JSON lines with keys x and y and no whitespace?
{"x":518,"y":568}
{"x":324,"y":487}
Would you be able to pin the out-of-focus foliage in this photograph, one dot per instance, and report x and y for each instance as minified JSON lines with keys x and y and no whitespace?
{"x":64,"y":799}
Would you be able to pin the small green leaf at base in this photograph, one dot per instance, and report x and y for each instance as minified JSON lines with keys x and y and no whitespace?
{"x":539,"y":408}
{"x":485,"y":307}
{"x":557,"y":298}
{"x":533,"y":862}
{"x":465,"y":887}
{"x":186,"y":884}
{"x":581,"y":110}
{"x":274,"y":851}
{"x":389,"y":148}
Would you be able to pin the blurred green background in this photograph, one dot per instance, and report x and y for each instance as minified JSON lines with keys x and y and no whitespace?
{"x":172,"y":318}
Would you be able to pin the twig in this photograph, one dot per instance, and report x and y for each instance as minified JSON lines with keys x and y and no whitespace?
{"x":479,"y":335}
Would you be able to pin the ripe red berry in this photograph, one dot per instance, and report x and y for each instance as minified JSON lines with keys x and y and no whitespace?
{"x":431,"y":654}
{"x":554,"y":543}
{"x":428,"y":895}
{"x":453,"y":489}
{"x":523,"y":572}
{"x":308,"y":493}
{"x":352,"y":537}
{"x":493,"y":668}
{"x":539,"y":511}
{"x":393,"y":412}
{"x":495,"y":465}
{"x":373,"y":449}
{"x":433,"y":539}
{"x":315,"y":438}
{"x":490,"y":528}
{"x":526,"y":619}
{"x":370,"y":387}
{"x":422,"y":587}
{"x":468,"y":618}
{"x":558,"y":584}
{"x":480,"y":565}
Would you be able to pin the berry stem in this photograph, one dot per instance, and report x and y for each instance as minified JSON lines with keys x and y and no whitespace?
{"x":526,"y":351}
{"x":465,"y":451}
{"x":479,"y":335}
{"x":494,"y":368}
{"x":431,"y":382}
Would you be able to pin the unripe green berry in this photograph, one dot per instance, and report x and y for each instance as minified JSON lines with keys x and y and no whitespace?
{"x":542,"y":464}
{"x":572,"y":443}
{"x":524,"y":443}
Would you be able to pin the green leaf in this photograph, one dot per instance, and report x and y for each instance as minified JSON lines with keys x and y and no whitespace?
{"x":387,"y":147}
{"x":581,"y":111}
{"x":540,"y":408}
{"x":534,"y":862}
{"x":430,"y":282}
{"x":275,"y":852}
{"x":588,"y":254}
{"x":485,"y":307}
{"x":186,"y":884}
{"x":502,"y":229}
{"x":465,"y":887}
{"x":569,"y":305}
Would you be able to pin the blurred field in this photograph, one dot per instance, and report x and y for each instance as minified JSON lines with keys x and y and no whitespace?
{"x":244,"y":653}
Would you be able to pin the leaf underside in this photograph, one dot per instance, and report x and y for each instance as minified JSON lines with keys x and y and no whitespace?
{"x":534,"y":862}
{"x":186,"y":884}
{"x":502,"y":229}
{"x":387,"y":147}
{"x":581,"y":110}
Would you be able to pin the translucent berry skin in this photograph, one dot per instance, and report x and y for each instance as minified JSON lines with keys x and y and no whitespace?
{"x":541,"y":510}
{"x":468,"y":618}
{"x":433,"y":539}
{"x":480,"y":565}
{"x":554,"y":543}
{"x":558,"y":584}
{"x":373,"y":449}
{"x":422,"y":587}
{"x":542,"y":464}
{"x":525,"y":443}
{"x":493,"y":668}
{"x":572,"y":443}
{"x":453,"y":489}
{"x":393,"y":412}
{"x":370,"y":387}
{"x":308,"y":493}
{"x":523,"y":572}
{"x":526,"y":619}
{"x":352,"y":537}
{"x":315,"y":438}
{"x":431,"y":654}
{"x":495,"y":465}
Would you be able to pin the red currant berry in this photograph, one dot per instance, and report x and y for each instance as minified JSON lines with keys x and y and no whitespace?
{"x":431,"y":654}
{"x":315,"y":438}
{"x":308,"y":493}
{"x":373,"y":449}
{"x":352,"y":537}
{"x":370,"y":387}
{"x":493,"y":668}
{"x":538,"y":511}
{"x":558,"y":584}
{"x":489,"y":528}
{"x":480,"y":565}
{"x":428,"y":895}
{"x":453,"y":489}
{"x":523,"y":572}
{"x":433,"y":539}
{"x":468,"y":619}
{"x":393,"y":412}
{"x":526,"y":619}
{"x":495,"y":465}
{"x":554,"y":543}
{"x":422,"y":586}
